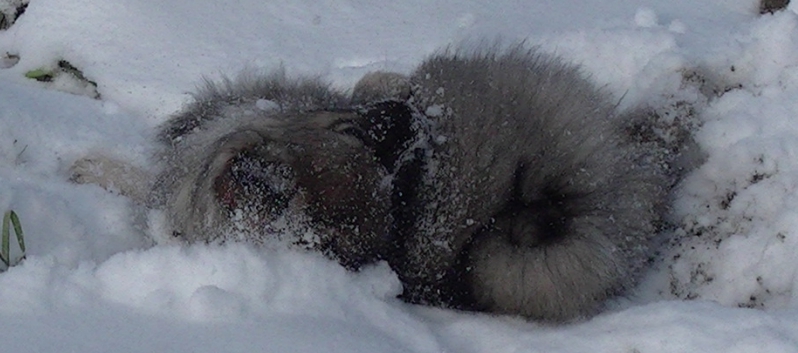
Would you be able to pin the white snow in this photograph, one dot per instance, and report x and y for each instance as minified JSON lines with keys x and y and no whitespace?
{"x":93,"y":282}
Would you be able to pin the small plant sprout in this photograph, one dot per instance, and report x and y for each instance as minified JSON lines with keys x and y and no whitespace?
{"x":10,"y":219}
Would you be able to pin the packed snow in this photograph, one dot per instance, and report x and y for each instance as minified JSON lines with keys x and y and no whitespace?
{"x":93,"y":281}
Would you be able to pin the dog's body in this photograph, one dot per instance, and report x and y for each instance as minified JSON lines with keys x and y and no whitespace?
{"x":530,"y":200}
{"x":491,"y":181}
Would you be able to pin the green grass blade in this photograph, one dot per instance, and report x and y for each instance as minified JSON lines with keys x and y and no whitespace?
{"x":42,"y":75}
{"x":4,"y":249}
{"x":18,"y":231}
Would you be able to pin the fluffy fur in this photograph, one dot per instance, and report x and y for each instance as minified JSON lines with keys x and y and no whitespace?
{"x":261,"y":156}
{"x":499,"y":181}
{"x":530,"y":200}
{"x":264,"y":157}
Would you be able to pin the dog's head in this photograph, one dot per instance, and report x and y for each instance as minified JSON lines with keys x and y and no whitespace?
{"x":322,"y":176}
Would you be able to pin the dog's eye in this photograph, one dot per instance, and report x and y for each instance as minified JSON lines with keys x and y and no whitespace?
{"x":348,"y":127}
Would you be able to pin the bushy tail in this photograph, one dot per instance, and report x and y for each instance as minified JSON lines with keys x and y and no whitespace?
{"x":558,"y":280}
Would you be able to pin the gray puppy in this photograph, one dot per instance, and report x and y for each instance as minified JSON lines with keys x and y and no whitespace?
{"x":528,"y":198}
{"x":499,"y":181}
{"x":263,"y":158}
{"x":261,"y":154}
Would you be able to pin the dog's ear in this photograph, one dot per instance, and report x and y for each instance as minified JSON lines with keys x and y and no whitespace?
{"x":386,"y":119}
{"x":379,"y":86}
{"x":387,"y":128}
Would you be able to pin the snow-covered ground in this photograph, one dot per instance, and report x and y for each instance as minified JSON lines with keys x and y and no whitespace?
{"x":93,"y":282}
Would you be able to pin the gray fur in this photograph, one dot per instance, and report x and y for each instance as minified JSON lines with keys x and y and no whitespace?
{"x":499,"y":181}
{"x":771,"y":6}
{"x":262,"y":155}
{"x":531,"y":200}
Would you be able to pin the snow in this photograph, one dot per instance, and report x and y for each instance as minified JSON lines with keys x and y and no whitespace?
{"x":93,"y":282}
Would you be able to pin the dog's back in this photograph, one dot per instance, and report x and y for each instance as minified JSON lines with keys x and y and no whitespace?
{"x":530,"y":202}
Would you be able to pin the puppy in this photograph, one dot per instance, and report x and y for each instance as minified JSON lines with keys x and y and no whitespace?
{"x":527,"y":199}
{"x":265,"y":157}
{"x":499,"y":181}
